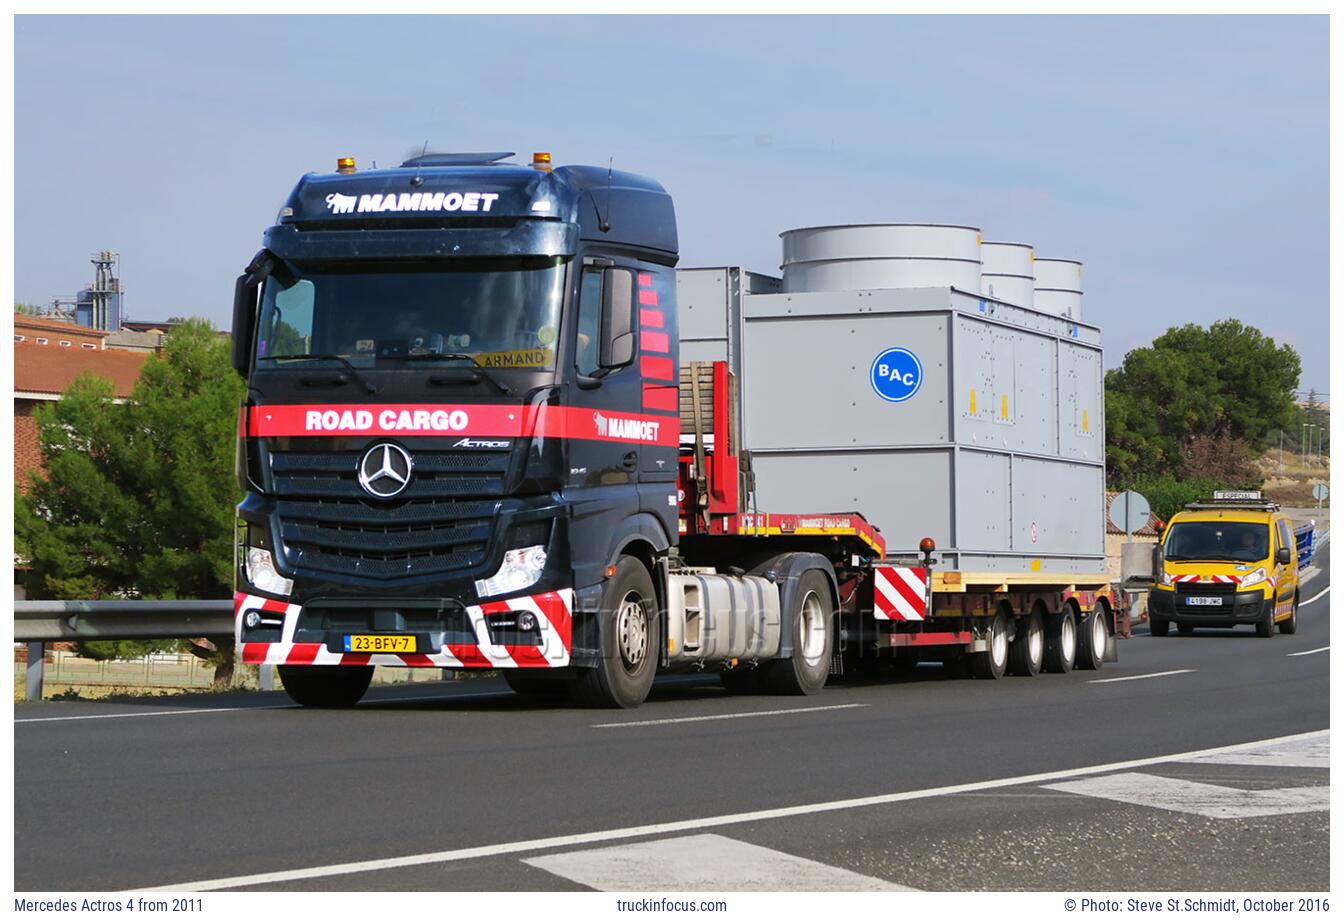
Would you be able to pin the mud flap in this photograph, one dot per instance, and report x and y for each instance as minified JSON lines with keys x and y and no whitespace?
{"x":1112,"y":653}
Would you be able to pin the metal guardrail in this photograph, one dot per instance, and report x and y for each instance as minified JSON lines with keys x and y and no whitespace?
{"x":39,"y":622}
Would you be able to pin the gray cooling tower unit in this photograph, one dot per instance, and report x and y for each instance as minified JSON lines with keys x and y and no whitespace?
{"x":932,"y":410}
{"x":1059,"y":287}
{"x":865,"y":257}
{"x":1007,"y":273}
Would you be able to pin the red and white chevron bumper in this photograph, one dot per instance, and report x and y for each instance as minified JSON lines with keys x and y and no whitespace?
{"x":900,"y":594}
{"x":552,"y":609}
{"x":1208,"y":579}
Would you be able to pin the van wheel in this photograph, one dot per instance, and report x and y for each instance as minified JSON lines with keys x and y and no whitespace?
{"x":1158,"y":627}
{"x":1264,"y":627}
{"x":993,"y":661}
{"x":1289,"y":626}
{"x":325,"y":686}
{"x":629,"y":636}
{"x":805,"y":671}
{"x":1027,"y":653}
{"x":1185,"y":629}
{"x":1092,"y":639}
{"x":1061,"y":648}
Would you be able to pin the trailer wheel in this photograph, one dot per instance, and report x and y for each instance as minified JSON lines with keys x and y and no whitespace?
{"x":1092,"y":639}
{"x":992,"y":663}
{"x":1158,"y":627}
{"x":325,"y":686}
{"x":629,"y":637}
{"x":1061,"y":647}
{"x":1289,"y":626}
{"x":1027,"y":653}
{"x":804,"y":672}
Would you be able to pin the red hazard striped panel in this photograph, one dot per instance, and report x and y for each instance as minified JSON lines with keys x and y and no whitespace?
{"x":1209,"y":579}
{"x":899,"y":593}
{"x":550,"y":609}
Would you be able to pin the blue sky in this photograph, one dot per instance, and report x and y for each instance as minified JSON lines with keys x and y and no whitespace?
{"x":1183,"y":159}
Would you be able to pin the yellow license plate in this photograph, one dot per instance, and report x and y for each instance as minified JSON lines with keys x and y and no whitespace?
{"x":380,"y":643}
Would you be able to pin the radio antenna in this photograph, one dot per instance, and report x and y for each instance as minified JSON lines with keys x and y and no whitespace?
{"x":605,"y":225}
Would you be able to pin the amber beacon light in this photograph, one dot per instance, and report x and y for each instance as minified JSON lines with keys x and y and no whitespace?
{"x":541,"y":161}
{"x":345,"y":164}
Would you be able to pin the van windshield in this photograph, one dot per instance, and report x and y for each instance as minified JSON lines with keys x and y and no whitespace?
{"x":1221,"y":541}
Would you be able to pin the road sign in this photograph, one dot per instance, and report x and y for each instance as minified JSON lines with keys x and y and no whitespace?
{"x":1320,"y":491}
{"x":1129,"y":512}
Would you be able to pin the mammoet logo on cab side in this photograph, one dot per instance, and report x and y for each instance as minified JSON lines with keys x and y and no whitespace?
{"x":415,"y":201}
{"x":626,"y":429}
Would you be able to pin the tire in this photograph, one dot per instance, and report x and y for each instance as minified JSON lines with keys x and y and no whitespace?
{"x":1158,"y":627}
{"x":1092,"y":640}
{"x":1289,"y":626}
{"x":743,"y":680}
{"x":992,"y":663}
{"x":805,"y":671}
{"x":1026,"y":656}
{"x":1185,"y":629}
{"x":325,"y":686}
{"x":525,"y":684}
{"x":1264,"y":627}
{"x":1061,"y":647}
{"x":629,"y":634}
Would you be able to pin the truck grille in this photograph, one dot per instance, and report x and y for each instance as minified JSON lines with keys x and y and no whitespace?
{"x":441,"y":523}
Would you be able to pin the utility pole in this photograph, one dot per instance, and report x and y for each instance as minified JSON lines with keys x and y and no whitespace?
{"x":1280,"y":451}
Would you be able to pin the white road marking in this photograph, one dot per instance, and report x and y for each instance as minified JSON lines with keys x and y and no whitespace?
{"x":1311,"y":752}
{"x":1116,"y":680}
{"x":1323,"y":648}
{"x":695,"y":824}
{"x":731,"y":715}
{"x":702,"y":862}
{"x":1315,"y":597}
{"x":137,"y":715}
{"x":1203,"y":799}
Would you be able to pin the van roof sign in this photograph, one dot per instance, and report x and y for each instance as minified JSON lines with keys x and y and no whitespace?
{"x":1232,"y":496}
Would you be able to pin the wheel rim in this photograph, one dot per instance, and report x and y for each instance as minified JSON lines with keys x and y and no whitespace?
{"x":632,"y":628}
{"x":998,"y":642}
{"x":1098,"y":635}
{"x":1035,"y":638}
{"x":812,"y":627}
{"x":1068,"y":638}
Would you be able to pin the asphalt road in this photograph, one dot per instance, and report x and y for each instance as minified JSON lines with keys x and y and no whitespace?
{"x":930,"y":783}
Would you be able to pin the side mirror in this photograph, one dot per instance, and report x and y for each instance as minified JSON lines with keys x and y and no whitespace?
{"x":244,"y":322}
{"x":1284,"y":555}
{"x":618,"y":318}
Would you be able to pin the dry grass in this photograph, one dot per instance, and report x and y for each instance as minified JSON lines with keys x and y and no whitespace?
{"x":1292,"y":485}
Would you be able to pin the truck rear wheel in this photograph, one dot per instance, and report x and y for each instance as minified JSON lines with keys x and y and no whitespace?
{"x":992,"y":663}
{"x":1027,"y":653}
{"x":1061,"y":647}
{"x":1289,"y":626}
{"x":630,"y":638}
{"x":805,"y":671}
{"x":325,"y":686}
{"x":1092,"y":639}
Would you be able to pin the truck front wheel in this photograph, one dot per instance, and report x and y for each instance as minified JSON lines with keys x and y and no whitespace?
{"x":325,"y":686}
{"x":805,"y":671}
{"x":630,"y":640}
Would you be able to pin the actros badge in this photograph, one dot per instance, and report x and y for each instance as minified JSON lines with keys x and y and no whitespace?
{"x":896,"y":374}
{"x":385,"y":470}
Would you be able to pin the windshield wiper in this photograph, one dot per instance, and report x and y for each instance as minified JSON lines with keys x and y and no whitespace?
{"x":479,"y":371}
{"x":354,"y":372}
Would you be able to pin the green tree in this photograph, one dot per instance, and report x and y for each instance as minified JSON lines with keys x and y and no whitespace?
{"x":27,"y":309}
{"x":137,"y":499}
{"x":1229,"y":381}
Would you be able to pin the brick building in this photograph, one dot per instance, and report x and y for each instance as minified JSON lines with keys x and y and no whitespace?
{"x":56,"y":333}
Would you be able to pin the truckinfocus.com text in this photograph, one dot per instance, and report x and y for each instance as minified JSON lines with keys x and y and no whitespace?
{"x":654,"y":905}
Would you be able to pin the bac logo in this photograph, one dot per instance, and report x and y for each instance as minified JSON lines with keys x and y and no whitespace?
{"x":896,"y":374}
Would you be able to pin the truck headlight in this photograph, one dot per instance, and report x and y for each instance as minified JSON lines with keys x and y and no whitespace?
{"x":1166,"y":580}
{"x":1253,"y":578}
{"x":520,"y":569}
{"x":261,"y":572}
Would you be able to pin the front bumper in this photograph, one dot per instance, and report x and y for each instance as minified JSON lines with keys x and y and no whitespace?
{"x":1236,"y":608}
{"x":448,"y":636}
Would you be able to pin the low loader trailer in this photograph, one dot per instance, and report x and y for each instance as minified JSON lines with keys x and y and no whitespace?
{"x":469,"y":442}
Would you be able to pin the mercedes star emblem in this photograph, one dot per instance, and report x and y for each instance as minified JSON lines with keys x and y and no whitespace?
{"x":385,"y":470}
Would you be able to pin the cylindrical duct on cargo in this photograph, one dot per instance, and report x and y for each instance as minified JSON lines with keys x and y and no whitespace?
{"x":859,"y":257}
{"x":1006,"y":273}
{"x":1059,"y":287}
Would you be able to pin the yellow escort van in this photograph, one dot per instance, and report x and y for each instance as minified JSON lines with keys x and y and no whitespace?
{"x":1226,"y":562}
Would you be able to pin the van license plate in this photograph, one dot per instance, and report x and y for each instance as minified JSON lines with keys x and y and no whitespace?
{"x":380,"y":643}
{"x":1204,"y":601}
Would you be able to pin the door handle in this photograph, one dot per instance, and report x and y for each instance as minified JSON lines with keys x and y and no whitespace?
{"x":629,"y":460}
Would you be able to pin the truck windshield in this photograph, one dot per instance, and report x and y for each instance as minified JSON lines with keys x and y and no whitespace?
{"x":1229,"y":541}
{"x":503,"y":313}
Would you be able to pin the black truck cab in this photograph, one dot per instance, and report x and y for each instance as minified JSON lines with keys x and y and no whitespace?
{"x":461,"y":412}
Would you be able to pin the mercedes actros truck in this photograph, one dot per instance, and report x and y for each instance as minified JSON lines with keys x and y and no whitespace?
{"x":467,"y":442}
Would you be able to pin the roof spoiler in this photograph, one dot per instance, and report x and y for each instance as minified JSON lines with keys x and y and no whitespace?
{"x":457,"y":159}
